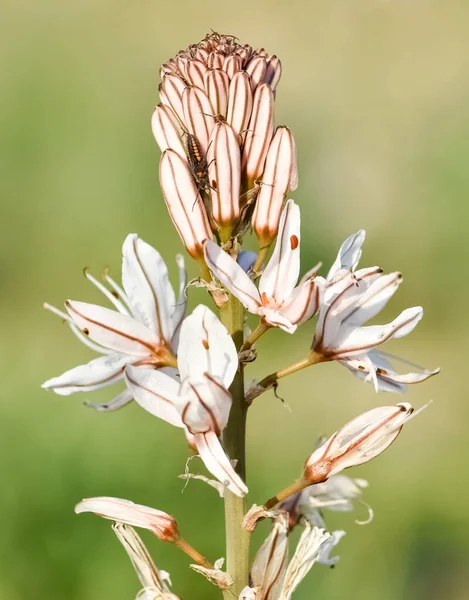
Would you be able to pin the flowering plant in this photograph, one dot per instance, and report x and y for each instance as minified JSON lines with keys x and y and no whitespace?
{"x":225,"y":171}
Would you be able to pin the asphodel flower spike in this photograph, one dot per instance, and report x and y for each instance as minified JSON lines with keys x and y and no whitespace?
{"x":199,"y":399}
{"x":277,"y":301}
{"x":142,"y":331}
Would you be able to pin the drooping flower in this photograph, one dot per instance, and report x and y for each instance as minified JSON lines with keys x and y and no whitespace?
{"x":158,"y":522}
{"x":142,"y":331}
{"x":352,"y":297}
{"x":277,"y":301}
{"x":154,"y":581}
{"x":270,"y":564}
{"x":359,"y":441}
{"x":198,"y":398}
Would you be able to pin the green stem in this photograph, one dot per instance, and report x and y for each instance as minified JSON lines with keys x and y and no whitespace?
{"x":234,"y":441}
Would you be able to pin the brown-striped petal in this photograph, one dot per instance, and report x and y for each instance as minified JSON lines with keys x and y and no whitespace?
{"x":195,"y":72}
{"x":256,"y":70}
{"x":232,"y":65}
{"x":273,"y":72}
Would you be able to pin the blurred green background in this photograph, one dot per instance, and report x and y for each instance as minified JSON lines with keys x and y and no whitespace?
{"x":376,"y":93}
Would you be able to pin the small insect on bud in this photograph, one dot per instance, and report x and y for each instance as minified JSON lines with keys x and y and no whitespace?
{"x":224,"y":171}
{"x":166,"y":130}
{"x":184,"y":203}
{"x":259,"y":133}
{"x":279,"y":178}
{"x":360,"y":440}
{"x":123,"y":511}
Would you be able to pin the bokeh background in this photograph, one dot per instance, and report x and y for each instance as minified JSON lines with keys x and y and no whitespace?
{"x":376,"y":93}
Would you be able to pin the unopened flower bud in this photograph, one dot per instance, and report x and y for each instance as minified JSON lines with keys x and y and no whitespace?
{"x":184,"y":202}
{"x":360,"y":440}
{"x":273,"y":72}
{"x":239,"y":102}
{"x":171,"y":91}
{"x":217,"y":84}
{"x":224,"y":175}
{"x":166,"y":130}
{"x":116,"y":509}
{"x":259,"y":133}
{"x":256,"y":69}
{"x":280,"y":176}
{"x":198,"y":115}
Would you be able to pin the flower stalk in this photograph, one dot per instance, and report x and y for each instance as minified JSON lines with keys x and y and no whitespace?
{"x":234,"y":441}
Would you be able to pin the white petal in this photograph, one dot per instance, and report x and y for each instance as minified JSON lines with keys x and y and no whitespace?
{"x":156,"y":392}
{"x":125,"y":511}
{"x":204,"y":405}
{"x":371,"y":302}
{"x":206,"y":347}
{"x":146,"y":283}
{"x":94,"y":375}
{"x":142,"y":562}
{"x":180,"y":309}
{"x":232,"y":276}
{"x":217,"y":463}
{"x":116,"y":403}
{"x":281,"y":274}
{"x":113,"y":330}
{"x":359,"y":339}
{"x":270,"y":563}
{"x":326,"y":548}
{"x":349,"y":254}
{"x":303,"y":303}
{"x":306,"y":554}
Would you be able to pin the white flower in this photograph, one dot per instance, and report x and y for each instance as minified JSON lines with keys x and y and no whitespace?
{"x":350,"y":299}
{"x":357,"y":442}
{"x":278,"y":302}
{"x":200,"y":401}
{"x":144,"y":330}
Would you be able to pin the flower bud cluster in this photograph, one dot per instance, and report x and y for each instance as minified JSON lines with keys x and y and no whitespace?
{"x":215,"y":128}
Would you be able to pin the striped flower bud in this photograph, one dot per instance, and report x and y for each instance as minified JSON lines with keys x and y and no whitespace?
{"x":359,"y":441}
{"x":167,"y":130}
{"x":224,"y":175}
{"x":184,"y":203}
{"x":279,"y":178}
{"x":259,"y":134}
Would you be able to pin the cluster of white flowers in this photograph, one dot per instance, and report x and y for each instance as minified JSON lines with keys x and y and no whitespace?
{"x":226,"y":170}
